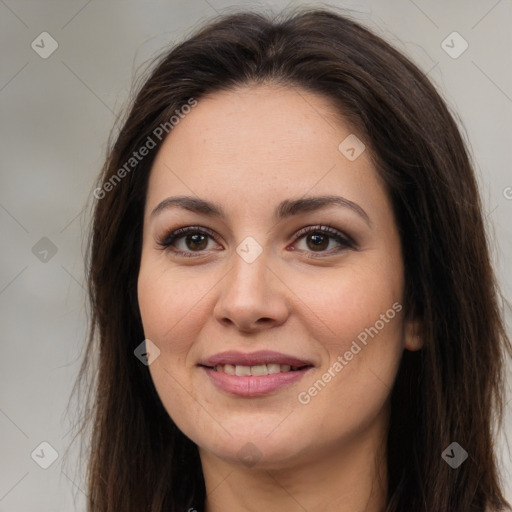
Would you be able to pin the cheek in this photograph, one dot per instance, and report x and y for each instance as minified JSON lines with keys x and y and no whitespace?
{"x":169,"y":304}
{"x":354,"y":313}
{"x":169,"y":320}
{"x":340,"y":307}
{"x":173,"y":305}
{"x":358,"y":323}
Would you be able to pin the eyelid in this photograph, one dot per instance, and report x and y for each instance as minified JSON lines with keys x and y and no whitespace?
{"x":326,"y":229}
{"x":174,"y":234}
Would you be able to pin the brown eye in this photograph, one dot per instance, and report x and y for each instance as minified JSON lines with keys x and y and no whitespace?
{"x":318,"y":238}
{"x":192,"y":239}
{"x":318,"y":241}
{"x":196,"y":241}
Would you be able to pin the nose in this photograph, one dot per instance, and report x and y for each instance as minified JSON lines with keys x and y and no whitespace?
{"x":253,"y":297}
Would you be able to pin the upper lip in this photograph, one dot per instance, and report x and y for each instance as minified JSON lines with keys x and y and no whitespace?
{"x":253,"y":359}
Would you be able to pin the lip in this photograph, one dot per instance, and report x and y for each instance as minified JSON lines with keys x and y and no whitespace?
{"x":253,"y":358}
{"x":253,"y":385}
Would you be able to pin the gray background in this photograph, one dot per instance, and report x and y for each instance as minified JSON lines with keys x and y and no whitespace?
{"x":56,"y":116}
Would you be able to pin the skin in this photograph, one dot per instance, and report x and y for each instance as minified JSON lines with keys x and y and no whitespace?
{"x":247,"y":150}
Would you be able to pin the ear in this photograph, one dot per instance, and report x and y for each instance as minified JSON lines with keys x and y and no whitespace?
{"x":413,"y":339}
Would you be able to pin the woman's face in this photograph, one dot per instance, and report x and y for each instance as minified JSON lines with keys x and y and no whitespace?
{"x":257,"y":274}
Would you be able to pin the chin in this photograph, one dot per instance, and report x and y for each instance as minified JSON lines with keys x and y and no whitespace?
{"x":256,"y":448}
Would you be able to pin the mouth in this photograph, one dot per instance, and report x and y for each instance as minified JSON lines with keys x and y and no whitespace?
{"x":254,"y":374}
{"x":263,"y":362}
{"x":256,"y":370}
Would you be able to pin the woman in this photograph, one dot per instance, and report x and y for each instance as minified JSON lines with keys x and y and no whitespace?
{"x":292,"y":301}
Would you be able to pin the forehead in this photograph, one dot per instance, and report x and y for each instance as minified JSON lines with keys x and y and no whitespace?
{"x":258,"y":120}
{"x":260,"y":143}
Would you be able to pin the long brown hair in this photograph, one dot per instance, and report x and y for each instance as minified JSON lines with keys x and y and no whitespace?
{"x":449,"y":391}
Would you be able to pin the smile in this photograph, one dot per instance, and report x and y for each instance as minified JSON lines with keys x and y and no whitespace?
{"x":260,"y":369}
{"x":253,"y":374}
{"x":252,"y":381}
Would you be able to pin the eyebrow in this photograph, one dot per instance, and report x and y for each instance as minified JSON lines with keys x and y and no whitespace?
{"x":285,"y":209}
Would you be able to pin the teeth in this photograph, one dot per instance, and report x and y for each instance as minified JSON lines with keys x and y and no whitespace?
{"x":242,"y":371}
{"x":228,"y":368}
{"x":260,"y":369}
{"x":274,"y":368}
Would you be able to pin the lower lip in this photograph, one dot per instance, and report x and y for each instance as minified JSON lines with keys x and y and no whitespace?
{"x":253,"y":385}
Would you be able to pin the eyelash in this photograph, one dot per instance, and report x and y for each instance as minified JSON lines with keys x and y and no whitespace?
{"x":345,"y":241}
